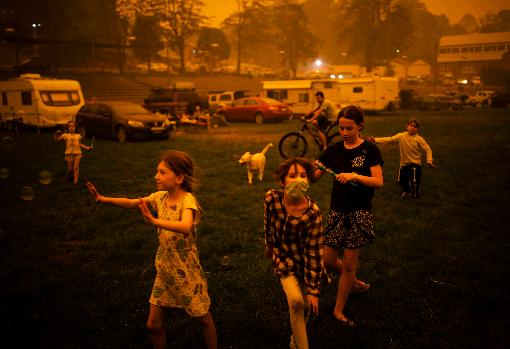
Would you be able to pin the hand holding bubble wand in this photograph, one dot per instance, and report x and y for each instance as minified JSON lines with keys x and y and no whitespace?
{"x":329,"y":171}
{"x":92,"y":143}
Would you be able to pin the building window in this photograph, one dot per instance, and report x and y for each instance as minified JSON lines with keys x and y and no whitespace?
{"x":303,"y":98}
{"x":26,"y":98}
{"x":455,"y":50}
{"x":465,"y":49}
{"x":478,"y":48}
{"x":501,"y":47}
{"x":357,"y":89}
{"x":442,"y":50}
{"x":328,"y":84}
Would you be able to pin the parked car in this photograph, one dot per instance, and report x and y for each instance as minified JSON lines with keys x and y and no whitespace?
{"x":181,"y":98}
{"x":500,"y":100}
{"x":120,"y":120}
{"x":482,"y":97}
{"x":224,"y":98}
{"x":255,"y":109}
{"x":440,"y":102}
{"x":35,"y":64}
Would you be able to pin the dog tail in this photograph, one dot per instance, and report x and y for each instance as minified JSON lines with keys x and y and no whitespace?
{"x":269,"y":146}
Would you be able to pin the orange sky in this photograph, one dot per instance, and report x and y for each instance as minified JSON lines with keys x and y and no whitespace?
{"x":454,"y":9}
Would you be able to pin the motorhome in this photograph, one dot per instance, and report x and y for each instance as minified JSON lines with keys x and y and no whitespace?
{"x":370,"y":93}
{"x":36,"y":101}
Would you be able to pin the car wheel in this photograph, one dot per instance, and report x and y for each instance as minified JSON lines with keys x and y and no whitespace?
{"x":259,"y":118}
{"x":82,"y":130}
{"x":121,"y":134}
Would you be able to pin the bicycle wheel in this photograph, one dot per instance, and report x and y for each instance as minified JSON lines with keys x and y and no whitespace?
{"x":334,"y":138}
{"x":293,"y":145}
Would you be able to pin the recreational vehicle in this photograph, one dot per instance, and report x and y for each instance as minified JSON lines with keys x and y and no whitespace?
{"x":369,"y":93}
{"x":36,"y":101}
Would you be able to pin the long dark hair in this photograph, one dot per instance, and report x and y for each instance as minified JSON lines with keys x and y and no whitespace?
{"x":353,"y":113}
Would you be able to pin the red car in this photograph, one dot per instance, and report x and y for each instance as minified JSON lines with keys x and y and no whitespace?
{"x":256,"y":109}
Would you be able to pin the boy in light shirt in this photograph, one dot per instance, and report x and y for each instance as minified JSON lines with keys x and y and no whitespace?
{"x":412,"y":147}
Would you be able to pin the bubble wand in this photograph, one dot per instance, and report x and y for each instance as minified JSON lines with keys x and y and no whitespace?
{"x":92,"y":142}
{"x":329,"y":171}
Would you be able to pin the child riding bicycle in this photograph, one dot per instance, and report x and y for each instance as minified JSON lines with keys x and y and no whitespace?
{"x":321,"y":116}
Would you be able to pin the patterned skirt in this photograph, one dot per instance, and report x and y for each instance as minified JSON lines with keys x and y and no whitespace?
{"x":349,"y":229}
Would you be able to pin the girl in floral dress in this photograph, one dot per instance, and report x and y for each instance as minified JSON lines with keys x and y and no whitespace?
{"x":180,"y":281}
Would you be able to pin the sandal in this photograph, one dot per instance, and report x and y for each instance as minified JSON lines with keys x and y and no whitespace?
{"x":360,"y":287}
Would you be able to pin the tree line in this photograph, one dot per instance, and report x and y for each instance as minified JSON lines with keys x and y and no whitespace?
{"x":282,"y":34}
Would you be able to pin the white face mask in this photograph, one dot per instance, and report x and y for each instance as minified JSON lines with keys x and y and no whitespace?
{"x":297,"y":189}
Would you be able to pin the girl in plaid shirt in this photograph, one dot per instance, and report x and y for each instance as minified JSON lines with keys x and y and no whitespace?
{"x":293,"y":236}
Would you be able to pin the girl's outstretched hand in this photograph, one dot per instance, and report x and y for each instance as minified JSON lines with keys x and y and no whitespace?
{"x":146,"y":213}
{"x":94,"y":192}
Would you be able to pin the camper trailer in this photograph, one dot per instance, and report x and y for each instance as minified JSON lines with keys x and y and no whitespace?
{"x":370,"y":93}
{"x":36,"y":101}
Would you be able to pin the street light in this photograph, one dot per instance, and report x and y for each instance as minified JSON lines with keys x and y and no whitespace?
{"x":35,"y":26}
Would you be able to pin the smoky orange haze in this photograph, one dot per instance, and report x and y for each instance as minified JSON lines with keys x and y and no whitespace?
{"x":218,"y":10}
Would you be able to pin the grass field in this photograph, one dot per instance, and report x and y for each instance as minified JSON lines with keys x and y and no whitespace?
{"x":76,"y":274}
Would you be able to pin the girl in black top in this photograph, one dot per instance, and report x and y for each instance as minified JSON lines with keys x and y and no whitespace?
{"x":350,"y":222}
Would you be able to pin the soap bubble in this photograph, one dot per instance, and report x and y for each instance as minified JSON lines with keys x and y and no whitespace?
{"x":225,"y":261}
{"x":4,"y":173}
{"x":8,"y":143}
{"x":27,"y":193}
{"x":45,"y":177}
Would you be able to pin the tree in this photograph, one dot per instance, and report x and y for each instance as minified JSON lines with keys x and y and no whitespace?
{"x":212,"y":46}
{"x":180,"y":20}
{"x":292,"y":35}
{"x":373,"y":27}
{"x":249,"y":27}
{"x":498,"y":22}
{"x":147,"y":40}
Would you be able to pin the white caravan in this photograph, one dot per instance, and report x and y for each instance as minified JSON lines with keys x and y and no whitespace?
{"x":369,"y":93}
{"x":36,"y":101}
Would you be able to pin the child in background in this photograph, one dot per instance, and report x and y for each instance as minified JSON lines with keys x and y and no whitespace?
{"x":412,"y":146}
{"x":73,"y":150}
{"x":350,"y":222}
{"x":180,"y":281}
{"x":293,"y":237}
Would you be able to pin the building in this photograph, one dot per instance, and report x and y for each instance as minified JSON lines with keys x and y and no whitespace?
{"x":462,"y":56}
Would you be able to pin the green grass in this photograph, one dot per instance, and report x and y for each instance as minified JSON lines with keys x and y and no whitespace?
{"x":77,"y":274}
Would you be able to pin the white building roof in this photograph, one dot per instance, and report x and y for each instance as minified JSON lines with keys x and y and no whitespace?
{"x":474,"y":39}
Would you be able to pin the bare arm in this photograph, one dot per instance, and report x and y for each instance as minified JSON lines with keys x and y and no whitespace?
{"x":120,"y":202}
{"x":375,"y":180}
{"x":183,"y":226}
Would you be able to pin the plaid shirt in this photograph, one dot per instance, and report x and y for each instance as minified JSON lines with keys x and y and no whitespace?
{"x":296,"y":241}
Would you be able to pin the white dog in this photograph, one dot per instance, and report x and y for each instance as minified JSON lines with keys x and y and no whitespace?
{"x":255,"y":162}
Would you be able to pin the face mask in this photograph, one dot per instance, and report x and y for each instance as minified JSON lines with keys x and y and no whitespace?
{"x":297,"y":189}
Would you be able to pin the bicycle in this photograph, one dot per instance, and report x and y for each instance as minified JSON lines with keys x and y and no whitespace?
{"x":294,"y":144}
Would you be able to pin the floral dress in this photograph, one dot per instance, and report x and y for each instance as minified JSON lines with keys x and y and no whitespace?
{"x":180,"y":281}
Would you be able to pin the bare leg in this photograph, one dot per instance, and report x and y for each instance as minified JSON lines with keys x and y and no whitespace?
{"x":210,"y":336}
{"x":323,"y":139}
{"x":155,"y":326}
{"x":350,"y":263}
{"x":76,"y":169}
{"x":69,"y":168}
{"x":334,"y":264}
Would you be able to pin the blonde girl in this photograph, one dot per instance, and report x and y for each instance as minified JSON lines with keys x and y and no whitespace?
{"x":73,"y":150}
{"x":180,"y":281}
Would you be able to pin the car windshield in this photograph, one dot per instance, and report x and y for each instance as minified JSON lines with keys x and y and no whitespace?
{"x":270,"y":101}
{"x":130,"y":109}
